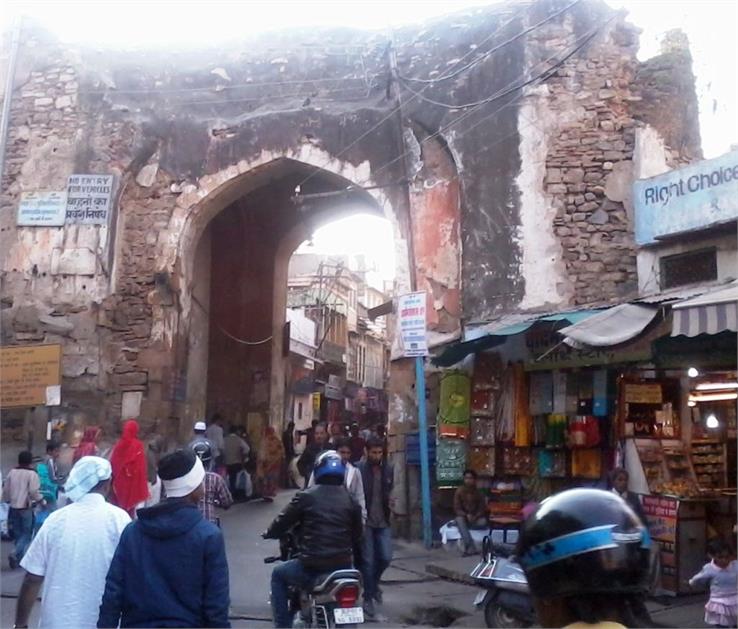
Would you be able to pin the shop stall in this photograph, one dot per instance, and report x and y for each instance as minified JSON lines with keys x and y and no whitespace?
{"x":679,"y":432}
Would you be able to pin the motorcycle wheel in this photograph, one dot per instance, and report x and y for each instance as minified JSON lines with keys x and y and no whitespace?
{"x":496,"y":616}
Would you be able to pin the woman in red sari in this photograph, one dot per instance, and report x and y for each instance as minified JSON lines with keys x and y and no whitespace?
{"x":88,"y":445}
{"x":269,"y":463}
{"x":128,"y":461}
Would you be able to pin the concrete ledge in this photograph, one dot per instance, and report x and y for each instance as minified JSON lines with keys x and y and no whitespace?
{"x":454,"y":568}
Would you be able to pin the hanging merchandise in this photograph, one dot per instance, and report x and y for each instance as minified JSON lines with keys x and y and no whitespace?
{"x":482,"y":403}
{"x":523,"y":428}
{"x":586,"y":463}
{"x":599,"y":393}
{"x":584,"y":432}
{"x":518,"y":461}
{"x":482,"y":461}
{"x":482,"y":432}
{"x":556,"y":431}
{"x":505,"y":415}
{"x":541,"y":393}
{"x":454,"y":411}
{"x":551,"y":463}
{"x":450,"y":461}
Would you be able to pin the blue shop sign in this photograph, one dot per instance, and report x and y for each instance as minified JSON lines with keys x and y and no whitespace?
{"x":695,"y":197}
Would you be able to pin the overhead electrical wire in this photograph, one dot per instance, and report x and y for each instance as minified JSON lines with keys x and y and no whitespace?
{"x":539,"y":78}
{"x":397,"y":108}
{"x":492,"y":50}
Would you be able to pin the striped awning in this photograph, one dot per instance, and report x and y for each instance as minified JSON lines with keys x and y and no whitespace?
{"x":711,"y":313}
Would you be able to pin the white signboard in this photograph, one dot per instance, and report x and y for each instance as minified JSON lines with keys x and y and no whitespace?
{"x":694,"y":197}
{"x":89,"y":199}
{"x":411,"y":318}
{"x":42,"y":209}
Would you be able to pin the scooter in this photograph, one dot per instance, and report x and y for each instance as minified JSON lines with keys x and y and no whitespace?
{"x":334,"y":599}
{"x":505,"y":599}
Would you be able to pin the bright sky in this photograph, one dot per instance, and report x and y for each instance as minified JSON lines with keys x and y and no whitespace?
{"x":710,"y":25}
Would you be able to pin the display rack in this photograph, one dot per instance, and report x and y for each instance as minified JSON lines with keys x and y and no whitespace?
{"x":708,"y":461}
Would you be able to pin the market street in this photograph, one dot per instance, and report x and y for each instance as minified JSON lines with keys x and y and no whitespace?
{"x":413,"y":596}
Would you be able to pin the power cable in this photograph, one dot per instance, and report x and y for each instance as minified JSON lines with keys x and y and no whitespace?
{"x":503,"y":92}
{"x":226,"y":332}
{"x":492,"y":50}
{"x":394,"y":110}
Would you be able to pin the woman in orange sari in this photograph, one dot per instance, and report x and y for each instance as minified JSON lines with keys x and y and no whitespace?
{"x":269,"y":463}
{"x":128,"y":460}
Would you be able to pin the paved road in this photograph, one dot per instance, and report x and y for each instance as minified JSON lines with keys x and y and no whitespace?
{"x":409,"y":591}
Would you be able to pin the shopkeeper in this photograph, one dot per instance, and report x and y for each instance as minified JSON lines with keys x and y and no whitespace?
{"x":619,"y":486}
{"x":470,"y":508}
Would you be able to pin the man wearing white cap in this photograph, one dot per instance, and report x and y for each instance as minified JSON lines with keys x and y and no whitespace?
{"x":200,"y":443}
{"x":170,"y":568}
{"x":72,"y":551}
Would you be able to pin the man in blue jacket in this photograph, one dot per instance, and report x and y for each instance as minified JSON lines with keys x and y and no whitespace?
{"x":170,"y":567}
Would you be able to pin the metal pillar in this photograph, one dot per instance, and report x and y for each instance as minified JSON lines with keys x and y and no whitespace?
{"x":424,"y":462}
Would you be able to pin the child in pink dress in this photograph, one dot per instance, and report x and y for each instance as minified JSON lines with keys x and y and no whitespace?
{"x":722,"y":575}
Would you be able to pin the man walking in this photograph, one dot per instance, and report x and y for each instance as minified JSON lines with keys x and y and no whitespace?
{"x":235,"y":453}
{"x":307,"y":459}
{"x":170,"y":568}
{"x":470,"y":509}
{"x":215,"y":492}
{"x":214,"y":433}
{"x":200,"y":442}
{"x":22,"y":489}
{"x":72,"y":551}
{"x":377,"y":478}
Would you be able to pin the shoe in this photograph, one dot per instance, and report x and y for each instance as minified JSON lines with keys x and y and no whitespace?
{"x":13,"y":562}
{"x":379,"y":596}
{"x":369,"y":610}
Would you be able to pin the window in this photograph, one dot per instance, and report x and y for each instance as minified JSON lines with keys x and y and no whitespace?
{"x":688,"y":268}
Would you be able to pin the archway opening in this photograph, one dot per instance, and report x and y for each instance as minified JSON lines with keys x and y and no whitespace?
{"x":238,"y":358}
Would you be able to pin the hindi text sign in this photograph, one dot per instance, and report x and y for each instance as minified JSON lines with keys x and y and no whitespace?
{"x":26,"y":371}
{"x":89,"y":199}
{"x":42,"y":209}
{"x":411,"y":317}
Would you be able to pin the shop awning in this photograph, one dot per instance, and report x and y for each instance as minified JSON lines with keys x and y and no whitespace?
{"x":711,"y":313}
{"x":612,"y":326}
{"x":496,"y":333}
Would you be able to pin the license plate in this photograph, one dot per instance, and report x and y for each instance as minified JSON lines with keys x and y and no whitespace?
{"x":348,"y":615}
{"x":479,"y":598}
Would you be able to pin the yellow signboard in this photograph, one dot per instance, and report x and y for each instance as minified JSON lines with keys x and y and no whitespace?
{"x":25,"y":373}
{"x":643,"y":394}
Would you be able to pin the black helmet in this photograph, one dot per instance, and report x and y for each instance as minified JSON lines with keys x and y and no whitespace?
{"x":584,"y":541}
{"x":204,"y":452}
{"x":329,"y":465}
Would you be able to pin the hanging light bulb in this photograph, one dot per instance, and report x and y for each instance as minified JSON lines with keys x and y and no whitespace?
{"x":692,"y":372}
{"x":691,"y":403}
{"x":712,"y":421}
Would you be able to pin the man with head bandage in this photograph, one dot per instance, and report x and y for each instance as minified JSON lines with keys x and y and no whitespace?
{"x":170,"y":568}
{"x":72,"y":551}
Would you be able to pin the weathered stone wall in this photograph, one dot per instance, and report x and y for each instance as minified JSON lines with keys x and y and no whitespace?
{"x":516,"y":199}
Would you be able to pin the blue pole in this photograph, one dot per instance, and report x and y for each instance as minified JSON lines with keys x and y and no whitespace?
{"x":424,"y":462}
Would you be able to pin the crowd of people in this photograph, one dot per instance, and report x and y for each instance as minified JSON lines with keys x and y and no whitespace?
{"x":586,"y":553}
{"x":133,"y":509}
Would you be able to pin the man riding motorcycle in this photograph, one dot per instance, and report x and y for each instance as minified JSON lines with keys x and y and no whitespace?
{"x":329,"y":530}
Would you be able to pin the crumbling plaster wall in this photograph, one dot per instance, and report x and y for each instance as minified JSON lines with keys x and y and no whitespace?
{"x":186,"y":143}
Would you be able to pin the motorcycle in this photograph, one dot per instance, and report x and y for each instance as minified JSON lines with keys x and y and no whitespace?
{"x":505,"y":599}
{"x":333,"y":600}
